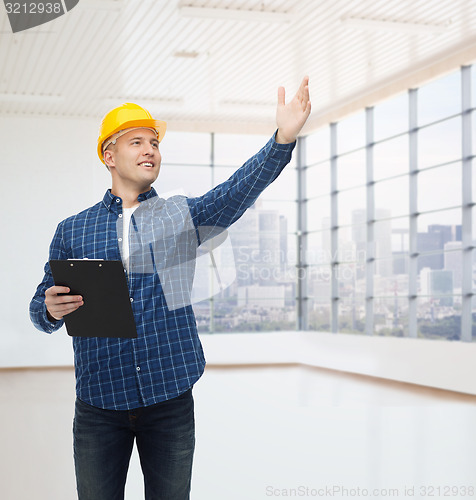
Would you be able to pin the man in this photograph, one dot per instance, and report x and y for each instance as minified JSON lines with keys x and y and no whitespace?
{"x":141,"y":389}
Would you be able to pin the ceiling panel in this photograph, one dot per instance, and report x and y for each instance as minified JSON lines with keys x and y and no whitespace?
{"x":222,"y":75}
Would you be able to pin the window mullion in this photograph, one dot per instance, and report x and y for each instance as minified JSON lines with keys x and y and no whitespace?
{"x":467,"y":261}
{"x":301,"y":264}
{"x":413,"y":223}
{"x":334,"y":219}
{"x":370,"y":258}
{"x":210,"y":271}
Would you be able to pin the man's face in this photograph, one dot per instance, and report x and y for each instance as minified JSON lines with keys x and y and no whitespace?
{"x":135,"y":158}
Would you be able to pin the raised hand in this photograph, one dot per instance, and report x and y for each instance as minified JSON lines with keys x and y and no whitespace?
{"x":292,"y":116}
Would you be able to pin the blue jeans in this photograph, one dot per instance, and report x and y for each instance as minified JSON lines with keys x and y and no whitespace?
{"x":103,"y":441}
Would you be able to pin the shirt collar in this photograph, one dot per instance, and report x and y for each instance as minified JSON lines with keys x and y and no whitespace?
{"x":112,"y":203}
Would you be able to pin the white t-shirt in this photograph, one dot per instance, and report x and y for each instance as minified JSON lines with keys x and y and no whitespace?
{"x":126,"y":221}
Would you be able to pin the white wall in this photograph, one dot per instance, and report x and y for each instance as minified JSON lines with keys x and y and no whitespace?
{"x":432,"y":363}
{"x":49,"y":170}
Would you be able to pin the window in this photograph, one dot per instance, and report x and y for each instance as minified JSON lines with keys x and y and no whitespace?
{"x":250,"y":284}
{"x":439,"y":143}
{"x":383,"y":229}
{"x":197,"y":150}
{"x":392,"y":224}
{"x":351,"y":133}
{"x":391,"y":158}
{"x":439,"y":99}
{"x":318,"y":181}
{"x":318,"y":146}
{"x":351,"y":170}
{"x":318,"y":212}
{"x":391,"y":117}
{"x":439,"y":187}
{"x":175,"y":179}
{"x":234,"y":149}
{"x":392,"y":197}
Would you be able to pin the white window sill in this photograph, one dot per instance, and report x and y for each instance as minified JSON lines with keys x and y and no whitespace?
{"x":433,"y":363}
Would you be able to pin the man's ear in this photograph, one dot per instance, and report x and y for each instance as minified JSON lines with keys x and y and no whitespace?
{"x":109,"y":158}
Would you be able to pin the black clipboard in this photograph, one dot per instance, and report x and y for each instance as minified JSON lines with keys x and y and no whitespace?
{"x":107,"y":310}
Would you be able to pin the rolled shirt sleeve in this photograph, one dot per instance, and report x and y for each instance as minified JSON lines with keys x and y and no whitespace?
{"x":38,"y":313}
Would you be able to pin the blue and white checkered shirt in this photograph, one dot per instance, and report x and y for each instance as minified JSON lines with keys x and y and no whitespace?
{"x":166,"y":358}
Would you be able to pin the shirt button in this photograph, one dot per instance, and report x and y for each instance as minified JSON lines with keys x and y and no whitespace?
{"x":120,"y":239}
{"x":118,"y":200}
{"x":138,"y":368}
{"x":120,"y":215}
{"x":132,"y":300}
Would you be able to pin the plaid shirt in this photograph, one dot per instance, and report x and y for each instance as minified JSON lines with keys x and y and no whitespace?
{"x":166,"y":358}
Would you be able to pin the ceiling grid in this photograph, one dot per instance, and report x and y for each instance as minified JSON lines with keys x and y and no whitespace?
{"x":183,"y":35}
{"x":100,"y":68}
{"x":214,"y":74}
{"x":78,"y":47}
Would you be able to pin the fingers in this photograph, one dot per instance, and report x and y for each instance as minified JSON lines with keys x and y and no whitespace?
{"x":61,"y":305}
{"x":304,"y":84}
{"x":303,"y":92}
{"x":55,"y":290}
{"x":59,"y":310}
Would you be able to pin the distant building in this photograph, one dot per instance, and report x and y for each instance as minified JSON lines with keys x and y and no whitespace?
{"x":283,"y":242}
{"x":260,"y":245}
{"x":261,"y":296}
{"x":326,"y":236}
{"x":244,"y":235}
{"x":400,"y":263}
{"x":437,"y":285}
{"x":453,"y":259}
{"x":400,"y":240}
{"x":434,"y":240}
{"x":382,"y":238}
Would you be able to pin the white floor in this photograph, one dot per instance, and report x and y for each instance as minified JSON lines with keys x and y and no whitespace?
{"x":264,"y":432}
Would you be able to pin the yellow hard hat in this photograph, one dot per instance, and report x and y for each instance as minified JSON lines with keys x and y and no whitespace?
{"x":126,"y":116}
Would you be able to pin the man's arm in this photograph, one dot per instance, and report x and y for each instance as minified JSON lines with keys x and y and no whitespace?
{"x":227,"y":202}
{"x":47,"y":307}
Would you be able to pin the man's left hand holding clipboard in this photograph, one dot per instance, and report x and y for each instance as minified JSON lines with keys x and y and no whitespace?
{"x":59,"y":304}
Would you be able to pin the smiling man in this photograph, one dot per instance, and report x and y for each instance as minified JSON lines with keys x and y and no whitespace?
{"x":141,"y":389}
